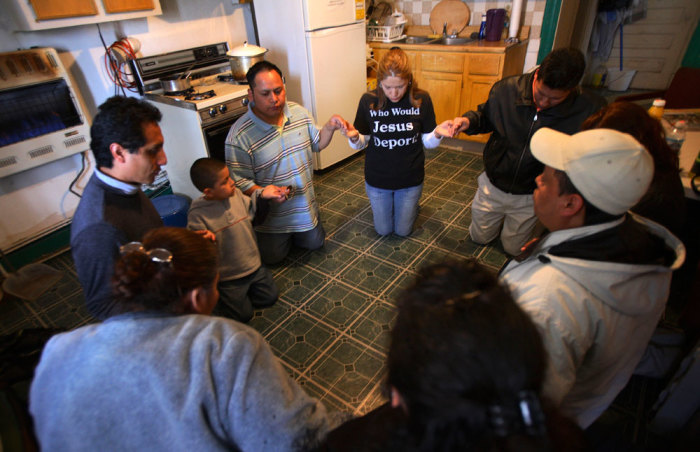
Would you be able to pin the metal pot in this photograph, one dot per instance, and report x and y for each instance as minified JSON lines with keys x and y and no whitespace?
{"x":175,"y":83}
{"x":243,"y":58}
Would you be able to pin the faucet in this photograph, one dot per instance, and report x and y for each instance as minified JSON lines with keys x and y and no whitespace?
{"x":444,"y":32}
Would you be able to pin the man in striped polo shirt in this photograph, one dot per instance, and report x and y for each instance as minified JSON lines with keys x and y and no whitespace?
{"x":272,"y":144}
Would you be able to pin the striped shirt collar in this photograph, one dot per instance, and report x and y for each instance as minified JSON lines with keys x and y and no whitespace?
{"x":267,"y":125}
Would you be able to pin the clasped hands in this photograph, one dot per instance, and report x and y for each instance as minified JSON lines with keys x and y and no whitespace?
{"x":451,"y":127}
{"x":348,"y":130}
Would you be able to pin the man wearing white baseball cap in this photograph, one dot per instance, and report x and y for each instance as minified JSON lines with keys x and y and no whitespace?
{"x":597,"y":283}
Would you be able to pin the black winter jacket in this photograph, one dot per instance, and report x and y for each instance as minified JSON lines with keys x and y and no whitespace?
{"x":511,"y":115}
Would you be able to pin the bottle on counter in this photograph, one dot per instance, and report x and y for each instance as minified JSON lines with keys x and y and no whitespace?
{"x":676,"y":136}
{"x":482,"y":28}
{"x":657,"y":109}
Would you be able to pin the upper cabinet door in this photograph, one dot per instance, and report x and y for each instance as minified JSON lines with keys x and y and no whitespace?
{"x":31,"y":15}
{"x":120,"y":6}
{"x":49,"y":9}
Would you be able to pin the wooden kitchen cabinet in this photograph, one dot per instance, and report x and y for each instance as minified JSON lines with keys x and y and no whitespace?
{"x":441,"y":75}
{"x":48,"y":9}
{"x":46,"y":14}
{"x":442,"y":87}
{"x":459,"y":78}
{"x":121,"y":6}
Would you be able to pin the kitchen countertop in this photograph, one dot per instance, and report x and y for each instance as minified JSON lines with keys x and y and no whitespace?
{"x":473,"y":46}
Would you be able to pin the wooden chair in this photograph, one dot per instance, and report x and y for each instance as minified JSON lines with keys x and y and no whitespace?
{"x":683,"y":92}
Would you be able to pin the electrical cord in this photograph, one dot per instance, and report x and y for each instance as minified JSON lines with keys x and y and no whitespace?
{"x":115,"y":61}
{"x":80,"y":173}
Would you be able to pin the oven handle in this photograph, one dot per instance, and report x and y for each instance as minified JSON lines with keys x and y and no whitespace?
{"x":212,"y":129}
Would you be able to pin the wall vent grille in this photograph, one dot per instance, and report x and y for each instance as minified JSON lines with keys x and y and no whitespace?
{"x":39,"y":152}
{"x":8,"y":161}
{"x":74,"y":141}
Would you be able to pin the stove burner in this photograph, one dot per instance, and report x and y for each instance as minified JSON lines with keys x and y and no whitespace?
{"x":184,"y":92}
{"x":229,"y":79}
{"x":200,"y":96}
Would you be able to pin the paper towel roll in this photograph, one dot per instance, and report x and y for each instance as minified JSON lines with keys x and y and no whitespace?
{"x":514,"y":26}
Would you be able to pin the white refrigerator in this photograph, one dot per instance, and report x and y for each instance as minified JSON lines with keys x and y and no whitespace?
{"x":319,"y":45}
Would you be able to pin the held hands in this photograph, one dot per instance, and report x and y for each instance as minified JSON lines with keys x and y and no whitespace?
{"x":459,"y":124}
{"x":336,"y":122}
{"x":345,"y":127}
{"x":444,"y":129}
{"x":350,"y":132}
{"x":275,"y":193}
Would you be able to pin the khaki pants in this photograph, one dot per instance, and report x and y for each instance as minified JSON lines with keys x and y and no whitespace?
{"x":495,"y":211}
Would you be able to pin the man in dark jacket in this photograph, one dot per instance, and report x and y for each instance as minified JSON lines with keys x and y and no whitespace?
{"x":517,"y":107}
{"x":127,"y":144}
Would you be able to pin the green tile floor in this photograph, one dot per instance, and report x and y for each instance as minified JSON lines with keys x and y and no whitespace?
{"x":330,"y":327}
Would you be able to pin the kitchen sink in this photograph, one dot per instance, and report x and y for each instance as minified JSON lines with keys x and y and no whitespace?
{"x":452,"y":41}
{"x":418,"y":40}
{"x":444,"y":40}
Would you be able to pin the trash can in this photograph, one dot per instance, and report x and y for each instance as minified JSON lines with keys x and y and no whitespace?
{"x":172,"y":209}
{"x":620,"y":80}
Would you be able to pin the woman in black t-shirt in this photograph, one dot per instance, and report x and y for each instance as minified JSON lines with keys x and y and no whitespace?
{"x":393,"y":123}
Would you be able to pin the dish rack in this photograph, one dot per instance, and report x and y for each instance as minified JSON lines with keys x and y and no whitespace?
{"x":385,"y":33}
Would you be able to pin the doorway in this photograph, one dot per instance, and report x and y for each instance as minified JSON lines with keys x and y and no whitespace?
{"x":653,"y":45}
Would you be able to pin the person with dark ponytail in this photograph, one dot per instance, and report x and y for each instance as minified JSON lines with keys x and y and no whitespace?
{"x":163,"y":374}
{"x":664,"y":201}
{"x":465,"y":371}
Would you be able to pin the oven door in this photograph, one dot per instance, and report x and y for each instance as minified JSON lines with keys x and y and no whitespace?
{"x":215,"y":137}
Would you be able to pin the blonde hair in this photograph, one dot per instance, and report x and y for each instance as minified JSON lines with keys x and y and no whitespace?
{"x":395,"y":63}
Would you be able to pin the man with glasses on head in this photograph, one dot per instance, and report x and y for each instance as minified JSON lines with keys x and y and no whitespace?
{"x":127,"y":144}
{"x":517,"y":107}
{"x":272,"y":144}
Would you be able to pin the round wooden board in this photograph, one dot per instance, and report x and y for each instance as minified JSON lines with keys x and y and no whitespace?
{"x":455,"y":12}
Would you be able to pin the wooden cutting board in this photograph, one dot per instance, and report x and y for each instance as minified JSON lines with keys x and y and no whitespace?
{"x":455,"y":12}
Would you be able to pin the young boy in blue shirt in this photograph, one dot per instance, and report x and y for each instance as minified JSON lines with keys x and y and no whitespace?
{"x":228,"y":217}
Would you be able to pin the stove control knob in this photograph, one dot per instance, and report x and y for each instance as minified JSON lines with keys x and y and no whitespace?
{"x":212,"y":112}
{"x":222,"y":108}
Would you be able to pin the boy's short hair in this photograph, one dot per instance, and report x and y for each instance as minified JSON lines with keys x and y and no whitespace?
{"x":204,"y":172}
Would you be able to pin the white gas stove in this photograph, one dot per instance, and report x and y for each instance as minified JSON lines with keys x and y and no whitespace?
{"x":195,"y":122}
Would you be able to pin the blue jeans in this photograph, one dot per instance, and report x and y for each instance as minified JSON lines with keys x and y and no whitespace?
{"x":394,"y":210}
